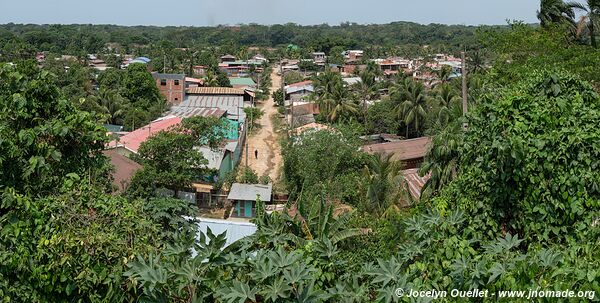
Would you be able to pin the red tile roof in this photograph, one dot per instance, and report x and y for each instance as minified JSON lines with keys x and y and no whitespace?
{"x":402,"y":150}
{"x":134,"y":139}
{"x":124,"y":169}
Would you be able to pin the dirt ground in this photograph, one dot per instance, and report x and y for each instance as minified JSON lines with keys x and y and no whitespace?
{"x":264,"y":140}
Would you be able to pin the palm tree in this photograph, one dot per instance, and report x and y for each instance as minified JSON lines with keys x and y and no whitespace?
{"x":447,"y":98}
{"x":476,"y":62}
{"x":366,"y":87}
{"x":318,"y":221}
{"x":324,"y":84}
{"x":444,"y":74}
{"x":337,"y":104}
{"x":441,"y":161}
{"x":211,"y":79}
{"x":112,"y":104}
{"x":413,"y":103}
{"x":384,"y":183}
{"x":555,"y":11}
{"x":589,"y":21}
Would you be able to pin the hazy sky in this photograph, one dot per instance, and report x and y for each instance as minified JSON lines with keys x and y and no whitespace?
{"x":214,"y":12}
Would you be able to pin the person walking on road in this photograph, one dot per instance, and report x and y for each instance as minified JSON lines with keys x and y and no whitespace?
{"x":256,"y":153}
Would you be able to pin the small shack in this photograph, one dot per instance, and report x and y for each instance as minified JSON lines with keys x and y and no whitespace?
{"x":243,"y":197}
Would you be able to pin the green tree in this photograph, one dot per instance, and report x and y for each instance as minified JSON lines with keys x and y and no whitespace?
{"x":171,"y":159}
{"x":412,"y":104}
{"x":112,"y":104}
{"x":555,"y":11}
{"x":44,"y":137}
{"x":590,"y":20}
{"x":385,"y":188}
{"x":539,"y":130}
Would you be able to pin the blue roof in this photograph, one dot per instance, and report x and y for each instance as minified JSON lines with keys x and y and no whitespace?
{"x":145,"y":59}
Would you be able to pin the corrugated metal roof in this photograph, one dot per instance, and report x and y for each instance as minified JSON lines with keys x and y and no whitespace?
{"x":215,"y":91}
{"x":169,"y":76}
{"x":414,"y":181}
{"x":402,"y":150}
{"x":214,"y":157}
{"x":233,"y":105}
{"x":234,"y":230}
{"x":249,"y":192}
{"x":188,"y":112}
{"x":302,"y":83}
{"x":296,"y":89}
{"x":242,"y":81}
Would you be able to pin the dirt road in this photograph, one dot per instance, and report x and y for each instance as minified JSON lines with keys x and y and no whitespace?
{"x":264,"y":141}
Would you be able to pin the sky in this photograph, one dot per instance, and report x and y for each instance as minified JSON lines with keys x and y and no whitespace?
{"x":306,"y":12}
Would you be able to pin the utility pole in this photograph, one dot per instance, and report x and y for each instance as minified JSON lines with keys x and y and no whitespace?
{"x":464,"y":88}
{"x":246,"y":138}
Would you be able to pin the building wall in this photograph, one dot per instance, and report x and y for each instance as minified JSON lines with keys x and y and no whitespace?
{"x":173,"y":92}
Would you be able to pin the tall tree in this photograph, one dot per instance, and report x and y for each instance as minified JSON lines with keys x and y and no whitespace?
{"x":591,"y":18}
{"x":555,"y":11}
{"x":411,"y":103}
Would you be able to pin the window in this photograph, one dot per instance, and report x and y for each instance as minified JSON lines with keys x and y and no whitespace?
{"x":176,"y":82}
{"x":163,"y":82}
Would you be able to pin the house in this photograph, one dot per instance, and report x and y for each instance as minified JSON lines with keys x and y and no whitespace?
{"x":353,"y":54}
{"x":311,"y":127}
{"x":221,"y":160}
{"x":290,"y":67}
{"x":261,"y":58}
{"x":227,"y":58}
{"x":304,"y":113}
{"x":298,"y":91}
{"x":335,"y":68}
{"x":123,"y":170}
{"x":229,"y":99}
{"x":200,"y":70}
{"x":243,"y":198}
{"x":411,"y":152}
{"x":130,"y":143}
{"x":319,"y":58}
{"x":240,"y":68}
{"x":98,"y":64}
{"x":193,"y":82}
{"x":349,"y":81}
{"x":242,"y":82}
{"x":142,"y":60}
{"x":380,"y":138}
{"x":172,"y":86}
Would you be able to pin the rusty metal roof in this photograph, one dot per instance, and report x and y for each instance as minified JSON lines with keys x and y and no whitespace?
{"x":214,"y":91}
{"x":414,"y":182}
{"x":187,"y":112}
{"x":402,"y":150}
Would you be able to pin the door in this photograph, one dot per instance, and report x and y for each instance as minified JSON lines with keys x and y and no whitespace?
{"x":248,"y":209}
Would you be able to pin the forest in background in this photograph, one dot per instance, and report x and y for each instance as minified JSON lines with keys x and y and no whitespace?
{"x":406,"y":36}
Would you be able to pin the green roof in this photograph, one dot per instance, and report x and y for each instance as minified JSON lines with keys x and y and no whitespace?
{"x":242,"y":81}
